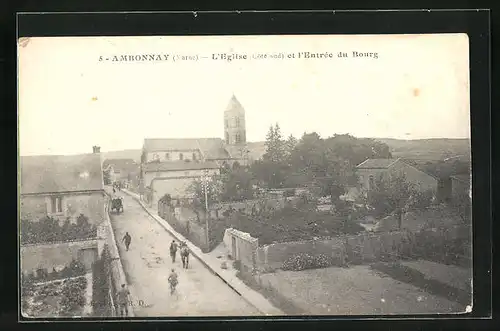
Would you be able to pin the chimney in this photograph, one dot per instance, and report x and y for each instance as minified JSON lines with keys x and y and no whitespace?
{"x":96,"y":149}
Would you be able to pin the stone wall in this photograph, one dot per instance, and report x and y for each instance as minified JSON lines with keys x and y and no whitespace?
{"x":242,"y":247}
{"x":370,"y":247}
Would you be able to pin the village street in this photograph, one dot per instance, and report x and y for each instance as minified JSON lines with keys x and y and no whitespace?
{"x":147,"y":265}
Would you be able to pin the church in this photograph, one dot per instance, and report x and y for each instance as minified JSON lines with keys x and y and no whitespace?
{"x":170,"y":165}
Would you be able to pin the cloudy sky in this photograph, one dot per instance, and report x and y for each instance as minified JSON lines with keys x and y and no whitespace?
{"x":418,"y":87}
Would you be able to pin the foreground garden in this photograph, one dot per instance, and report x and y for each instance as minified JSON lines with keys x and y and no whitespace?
{"x":59,"y":298}
{"x":61,"y":293}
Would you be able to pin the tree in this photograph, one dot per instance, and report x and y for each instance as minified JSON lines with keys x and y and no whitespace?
{"x":273,"y":167}
{"x":197,"y":190}
{"x":290,"y":144}
{"x":237,"y":185}
{"x":392,"y":193}
{"x":356,"y":150}
{"x":275,"y":145}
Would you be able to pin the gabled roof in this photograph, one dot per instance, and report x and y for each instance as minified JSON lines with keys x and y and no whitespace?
{"x":56,"y":173}
{"x":178,"y":166}
{"x":377,"y":163}
{"x":211,"y":148}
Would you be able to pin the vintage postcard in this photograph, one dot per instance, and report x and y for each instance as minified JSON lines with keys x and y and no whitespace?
{"x":244,"y":176}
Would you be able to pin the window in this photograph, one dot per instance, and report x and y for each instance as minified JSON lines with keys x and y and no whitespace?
{"x":238,"y":138}
{"x":181,"y":156}
{"x":371,"y":183}
{"x":167,"y":156}
{"x":56,"y":205}
{"x":226,"y":123}
{"x":227,"y":138}
{"x":156,"y":156}
{"x":237,"y":120}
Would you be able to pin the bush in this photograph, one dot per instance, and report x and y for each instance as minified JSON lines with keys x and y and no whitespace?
{"x":73,"y":298}
{"x":49,"y":230}
{"x":306,"y":261}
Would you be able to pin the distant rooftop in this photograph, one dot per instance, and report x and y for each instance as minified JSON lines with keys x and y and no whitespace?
{"x":211,"y":148}
{"x":377,"y":163}
{"x":178,"y":165}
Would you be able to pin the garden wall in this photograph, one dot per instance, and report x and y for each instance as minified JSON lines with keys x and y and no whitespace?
{"x":218,"y":210}
{"x":242,"y":247}
{"x":193,"y":230}
{"x":57,"y":255}
{"x":113,"y":265}
{"x":451,"y":245}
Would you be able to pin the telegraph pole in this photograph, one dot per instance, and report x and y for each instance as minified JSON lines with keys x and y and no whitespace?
{"x":205,"y":188}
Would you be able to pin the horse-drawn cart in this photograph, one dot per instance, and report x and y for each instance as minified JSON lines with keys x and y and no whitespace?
{"x":117,"y":204}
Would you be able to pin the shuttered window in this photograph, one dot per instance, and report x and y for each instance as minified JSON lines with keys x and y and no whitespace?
{"x":56,"y":205}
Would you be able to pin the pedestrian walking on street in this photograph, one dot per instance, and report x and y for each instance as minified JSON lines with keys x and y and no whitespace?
{"x":114,"y":191}
{"x":123,"y":300}
{"x":173,"y":250}
{"x":127,"y":239}
{"x":173,"y":279}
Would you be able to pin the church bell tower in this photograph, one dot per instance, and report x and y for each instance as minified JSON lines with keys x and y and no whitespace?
{"x":234,"y":123}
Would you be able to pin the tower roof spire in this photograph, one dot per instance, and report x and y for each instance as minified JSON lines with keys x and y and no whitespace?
{"x":234,"y":105}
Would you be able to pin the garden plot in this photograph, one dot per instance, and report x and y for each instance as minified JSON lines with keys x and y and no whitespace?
{"x":69,"y":297}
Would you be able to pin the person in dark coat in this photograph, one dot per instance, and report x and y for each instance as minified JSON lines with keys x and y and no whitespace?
{"x":127,"y":239}
{"x":173,"y":250}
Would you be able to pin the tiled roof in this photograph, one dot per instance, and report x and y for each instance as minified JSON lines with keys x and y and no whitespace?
{"x":54,"y":173}
{"x":255,"y":150}
{"x":377,"y":163}
{"x":211,"y":148}
{"x":178,"y":165}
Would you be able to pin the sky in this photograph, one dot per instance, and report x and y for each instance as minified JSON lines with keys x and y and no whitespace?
{"x":69,"y":101}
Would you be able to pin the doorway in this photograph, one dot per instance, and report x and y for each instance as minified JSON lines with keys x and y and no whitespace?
{"x":87,"y":257}
{"x":233,"y":248}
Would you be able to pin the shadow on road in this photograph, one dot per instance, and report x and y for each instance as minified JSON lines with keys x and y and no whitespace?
{"x":414,"y":277}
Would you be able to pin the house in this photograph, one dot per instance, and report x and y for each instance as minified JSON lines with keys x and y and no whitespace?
{"x":169,"y":165}
{"x":125,"y":171}
{"x":175,"y":177}
{"x":370,"y":170}
{"x":62,"y":187}
{"x":460,"y":186}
